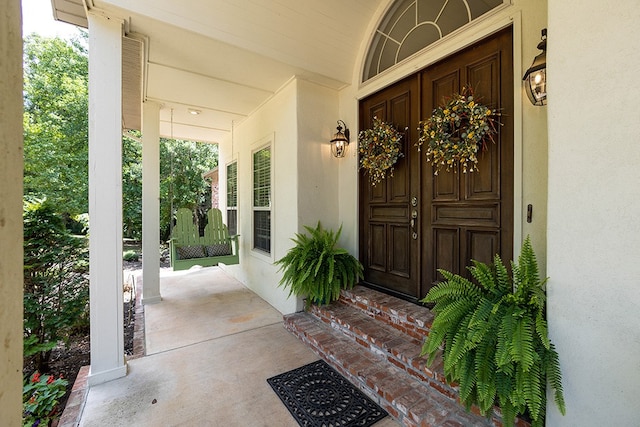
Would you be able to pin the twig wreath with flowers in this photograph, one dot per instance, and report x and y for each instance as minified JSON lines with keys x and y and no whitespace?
{"x":379,"y":149}
{"x":456,"y":132}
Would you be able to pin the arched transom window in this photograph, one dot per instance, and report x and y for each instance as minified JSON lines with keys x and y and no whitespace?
{"x":411,"y":25}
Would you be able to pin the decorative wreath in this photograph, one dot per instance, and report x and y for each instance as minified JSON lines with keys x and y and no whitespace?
{"x":456,"y":131}
{"x":379,"y":149}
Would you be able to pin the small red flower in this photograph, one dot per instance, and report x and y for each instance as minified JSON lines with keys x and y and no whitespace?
{"x":50,"y":380}
{"x":36,"y":377}
{"x":32,"y":400}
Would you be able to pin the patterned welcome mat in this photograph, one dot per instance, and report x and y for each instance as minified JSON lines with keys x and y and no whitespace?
{"x":318,"y":396}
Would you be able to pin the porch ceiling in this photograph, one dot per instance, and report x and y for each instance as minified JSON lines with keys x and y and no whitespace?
{"x":226,"y":57}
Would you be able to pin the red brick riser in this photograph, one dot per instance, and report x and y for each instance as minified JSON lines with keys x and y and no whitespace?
{"x":375,"y":340}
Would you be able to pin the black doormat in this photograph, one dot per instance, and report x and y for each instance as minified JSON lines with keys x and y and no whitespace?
{"x":318,"y":396}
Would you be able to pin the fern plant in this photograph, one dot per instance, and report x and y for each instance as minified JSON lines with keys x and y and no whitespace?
{"x":494,"y":334}
{"x":317,"y":268}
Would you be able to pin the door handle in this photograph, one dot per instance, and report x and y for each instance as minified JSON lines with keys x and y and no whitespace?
{"x":414,"y":215}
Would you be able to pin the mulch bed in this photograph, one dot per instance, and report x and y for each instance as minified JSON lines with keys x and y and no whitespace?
{"x":66,"y":360}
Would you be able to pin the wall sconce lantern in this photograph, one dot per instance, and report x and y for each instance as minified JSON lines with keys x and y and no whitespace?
{"x":340,"y":140}
{"x":536,"y":76}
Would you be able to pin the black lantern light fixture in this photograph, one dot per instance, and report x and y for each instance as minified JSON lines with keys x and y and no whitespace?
{"x":340,"y":140}
{"x":535,"y":79}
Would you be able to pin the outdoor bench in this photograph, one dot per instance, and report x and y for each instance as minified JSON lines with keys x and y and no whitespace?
{"x":188,"y":248}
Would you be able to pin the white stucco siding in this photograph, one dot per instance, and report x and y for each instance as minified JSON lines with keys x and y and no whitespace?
{"x":317,"y":168}
{"x":594,"y":202}
{"x":274,"y":123}
{"x":298,"y":120}
{"x":348,"y":173}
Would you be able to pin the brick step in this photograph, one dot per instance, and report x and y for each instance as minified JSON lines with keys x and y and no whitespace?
{"x":408,"y":318}
{"x":409,"y":400}
{"x":382,"y":339}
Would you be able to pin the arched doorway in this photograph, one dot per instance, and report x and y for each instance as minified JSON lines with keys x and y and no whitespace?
{"x":414,"y":222}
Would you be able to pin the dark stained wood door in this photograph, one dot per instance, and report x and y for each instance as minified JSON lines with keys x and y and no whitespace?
{"x":470,"y":215}
{"x":415,"y":223}
{"x":388,"y":250}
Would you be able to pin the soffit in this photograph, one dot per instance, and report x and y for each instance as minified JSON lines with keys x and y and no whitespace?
{"x":227,"y":57}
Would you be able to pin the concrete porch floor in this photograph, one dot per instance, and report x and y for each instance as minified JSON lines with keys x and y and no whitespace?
{"x":210,"y":346}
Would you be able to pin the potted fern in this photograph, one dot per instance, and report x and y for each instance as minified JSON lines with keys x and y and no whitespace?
{"x":317,"y":268}
{"x":494,"y":334}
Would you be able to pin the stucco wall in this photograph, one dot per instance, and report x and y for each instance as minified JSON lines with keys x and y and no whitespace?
{"x":309,"y":109}
{"x":317,"y":168}
{"x":10,"y":214}
{"x":593,"y":231}
{"x":298,"y":120}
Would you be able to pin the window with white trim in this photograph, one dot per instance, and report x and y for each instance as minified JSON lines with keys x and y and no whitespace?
{"x":262,"y":199}
{"x":232,"y":198}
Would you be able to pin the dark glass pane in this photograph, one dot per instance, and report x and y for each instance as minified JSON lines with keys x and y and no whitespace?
{"x":262,"y":177}
{"x":262,"y":230}
{"x":232,"y":184}
{"x":232,"y":221}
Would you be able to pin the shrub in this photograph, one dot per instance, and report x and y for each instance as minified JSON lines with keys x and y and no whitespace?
{"x":130,"y":256}
{"x":495,"y":339}
{"x":40,"y":397}
{"x":56,"y":290}
{"x":317,"y":268}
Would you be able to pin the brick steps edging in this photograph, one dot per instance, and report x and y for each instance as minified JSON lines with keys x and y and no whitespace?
{"x":406,"y":317}
{"x":401,"y":350}
{"x":406,"y":398}
{"x":404,"y":326}
{"x":75,"y":404}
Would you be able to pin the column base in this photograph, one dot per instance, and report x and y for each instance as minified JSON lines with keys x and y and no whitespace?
{"x":105,"y":376}
{"x":151,"y":300}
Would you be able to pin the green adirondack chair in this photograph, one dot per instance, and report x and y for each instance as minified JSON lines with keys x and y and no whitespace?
{"x":188,"y":248}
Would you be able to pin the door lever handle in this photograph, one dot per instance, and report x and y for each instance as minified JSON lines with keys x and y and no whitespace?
{"x":414,"y":215}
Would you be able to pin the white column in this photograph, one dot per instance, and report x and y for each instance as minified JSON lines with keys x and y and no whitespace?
{"x":105,"y":198}
{"x":11,"y":214}
{"x":150,"y":203}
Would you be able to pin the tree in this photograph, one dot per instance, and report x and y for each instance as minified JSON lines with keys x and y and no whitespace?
{"x":182,"y":164}
{"x":56,"y":143}
{"x":56,"y":122}
{"x":56,"y":290}
{"x":131,"y":189}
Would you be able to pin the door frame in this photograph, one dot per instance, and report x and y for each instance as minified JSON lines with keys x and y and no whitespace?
{"x":476,"y":31}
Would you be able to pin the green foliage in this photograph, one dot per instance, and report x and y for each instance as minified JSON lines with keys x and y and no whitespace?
{"x":182,"y":164}
{"x":130,"y":255}
{"x":131,"y":189}
{"x":56,"y":290}
{"x":494,"y":333}
{"x":56,"y":122}
{"x":317,"y":268}
{"x":56,"y":148}
{"x":40,"y":396}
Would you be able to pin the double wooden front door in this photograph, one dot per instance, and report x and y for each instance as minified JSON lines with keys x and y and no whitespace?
{"x":414,"y":223}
